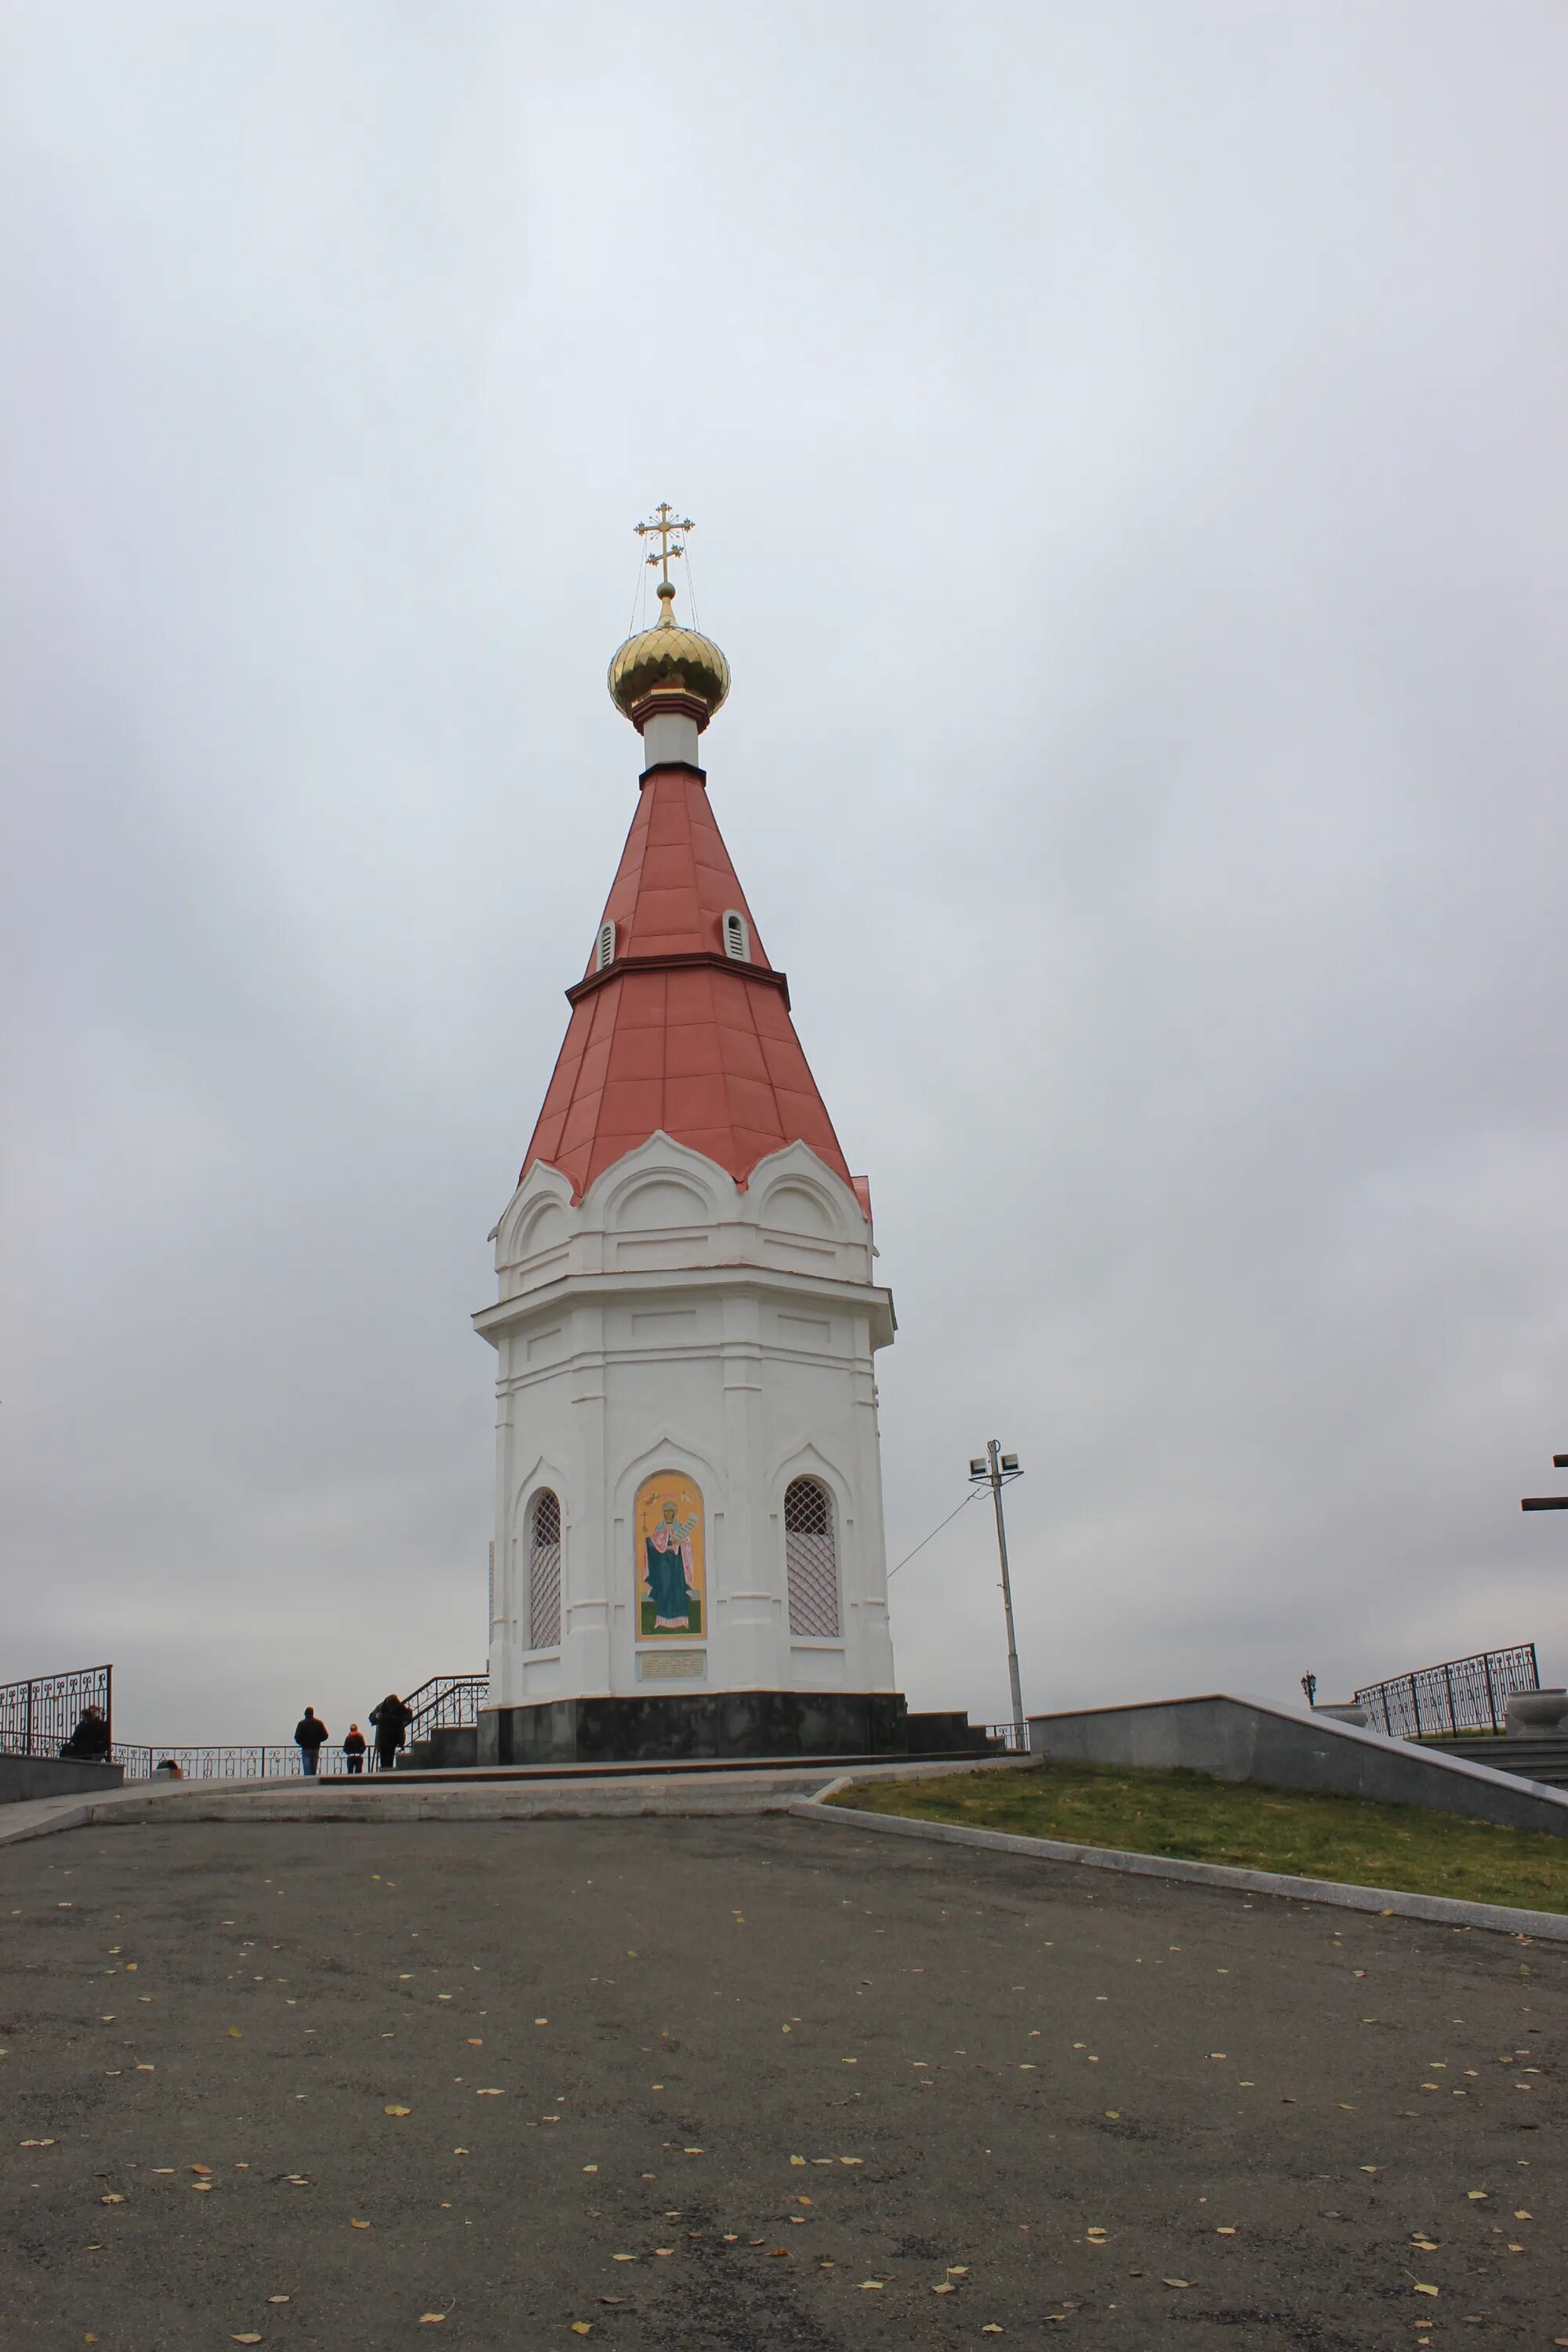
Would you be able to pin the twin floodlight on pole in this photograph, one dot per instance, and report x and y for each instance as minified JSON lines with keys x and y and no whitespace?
{"x":997,"y":1470}
{"x":1547,"y":1502}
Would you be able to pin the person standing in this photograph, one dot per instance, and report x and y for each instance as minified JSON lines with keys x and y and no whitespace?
{"x":310,"y":1736}
{"x":353,"y":1749}
{"x":392,"y":1720}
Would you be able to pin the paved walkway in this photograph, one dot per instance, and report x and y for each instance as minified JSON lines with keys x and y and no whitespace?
{"x":705,"y":2084}
{"x":520,"y":1794}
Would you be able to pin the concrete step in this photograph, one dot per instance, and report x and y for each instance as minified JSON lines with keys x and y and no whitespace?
{"x":1531,"y":1759}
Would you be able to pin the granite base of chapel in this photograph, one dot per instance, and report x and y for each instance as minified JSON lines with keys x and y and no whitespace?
{"x":740,"y":1724}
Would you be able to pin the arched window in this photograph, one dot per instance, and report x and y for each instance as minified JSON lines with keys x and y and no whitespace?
{"x":544,"y":1572}
{"x":605,"y":953}
{"x":737,"y":937}
{"x":811,"y":1559}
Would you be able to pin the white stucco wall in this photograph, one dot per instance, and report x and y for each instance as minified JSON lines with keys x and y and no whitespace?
{"x":672,"y":1320}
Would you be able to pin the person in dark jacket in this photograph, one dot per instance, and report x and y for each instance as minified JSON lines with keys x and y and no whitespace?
{"x":89,"y":1743}
{"x":310,"y":1736}
{"x":392,"y":1720}
{"x":353,"y":1749}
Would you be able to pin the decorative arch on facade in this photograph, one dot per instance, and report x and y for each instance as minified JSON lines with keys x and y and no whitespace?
{"x":535,"y":1218}
{"x":610,"y":1201}
{"x":794,"y":1203}
{"x":811,"y":1558}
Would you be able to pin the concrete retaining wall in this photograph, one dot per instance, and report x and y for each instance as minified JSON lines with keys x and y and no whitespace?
{"x":1239,"y":1738}
{"x":22,"y":1777}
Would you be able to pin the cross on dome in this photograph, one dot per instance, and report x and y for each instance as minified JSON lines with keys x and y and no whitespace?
{"x":668,"y":667}
{"x":664,"y":554}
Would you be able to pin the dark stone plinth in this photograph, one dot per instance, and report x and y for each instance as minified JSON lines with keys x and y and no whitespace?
{"x":946,"y":1734}
{"x":450,"y":1747}
{"x":745,"y":1724}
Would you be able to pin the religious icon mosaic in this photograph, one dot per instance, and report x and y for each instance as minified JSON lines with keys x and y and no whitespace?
{"x":672,"y":1592}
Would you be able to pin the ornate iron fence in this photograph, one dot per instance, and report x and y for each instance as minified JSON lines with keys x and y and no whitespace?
{"x":1012,"y":1737}
{"x":1465,"y":1695}
{"x":255,"y":1761}
{"x":38,"y":1717}
{"x":441,"y":1699}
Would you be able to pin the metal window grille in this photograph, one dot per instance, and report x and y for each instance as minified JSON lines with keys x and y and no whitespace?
{"x":737,"y":945}
{"x":545,"y":1573}
{"x":1463,"y":1694}
{"x":605,"y":953}
{"x":811,"y":1560}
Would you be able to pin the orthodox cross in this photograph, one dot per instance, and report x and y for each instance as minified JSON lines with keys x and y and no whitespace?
{"x":663,"y":525}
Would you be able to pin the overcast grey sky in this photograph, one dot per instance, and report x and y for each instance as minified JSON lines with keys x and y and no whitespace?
{"x":1127,"y":441}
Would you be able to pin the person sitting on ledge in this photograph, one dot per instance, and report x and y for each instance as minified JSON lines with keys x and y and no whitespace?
{"x":89,"y":1743}
{"x":167,"y":1770}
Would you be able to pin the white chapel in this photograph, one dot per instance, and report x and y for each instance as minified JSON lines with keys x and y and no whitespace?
{"x":689,"y":1555}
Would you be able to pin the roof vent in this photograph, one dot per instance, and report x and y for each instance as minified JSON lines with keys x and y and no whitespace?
{"x":605,"y":953}
{"x":737,"y":937}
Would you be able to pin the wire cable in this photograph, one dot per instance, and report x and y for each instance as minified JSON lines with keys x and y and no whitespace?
{"x":938,"y":1528}
{"x":690,"y":585}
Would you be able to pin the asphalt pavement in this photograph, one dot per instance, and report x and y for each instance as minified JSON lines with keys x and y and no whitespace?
{"x":666,"y":2085}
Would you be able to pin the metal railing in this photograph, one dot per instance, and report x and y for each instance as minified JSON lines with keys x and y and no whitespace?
{"x":254,"y":1761}
{"x":441,"y":1699}
{"x":444,"y":1700}
{"x":1465,"y":1695}
{"x":37,"y":1716}
{"x":1013,"y":1737}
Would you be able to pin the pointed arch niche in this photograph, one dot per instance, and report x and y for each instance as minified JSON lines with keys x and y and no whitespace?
{"x":811,"y":1559}
{"x":542,"y":1550}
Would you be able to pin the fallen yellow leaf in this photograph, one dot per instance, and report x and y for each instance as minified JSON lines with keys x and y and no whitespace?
{"x":113,"y":2198}
{"x":431,"y":2318}
{"x":397,"y":2111}
{"x":359,"y":2225}
{"x":581,"y":2327}
{"x":1422,"y":2289}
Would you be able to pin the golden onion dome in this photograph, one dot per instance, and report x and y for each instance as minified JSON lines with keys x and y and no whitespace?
{"x":668,"y":656}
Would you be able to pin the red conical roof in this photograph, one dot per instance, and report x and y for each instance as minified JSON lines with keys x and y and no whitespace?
{"x":673,"y":1034}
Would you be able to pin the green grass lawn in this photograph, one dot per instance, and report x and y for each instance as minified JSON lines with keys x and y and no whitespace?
{"x":1242,"y":1824}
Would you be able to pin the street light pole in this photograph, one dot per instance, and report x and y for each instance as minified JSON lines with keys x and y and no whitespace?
{"x":996,"y":1471}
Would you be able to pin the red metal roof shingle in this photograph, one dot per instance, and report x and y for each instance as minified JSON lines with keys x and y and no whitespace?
{"x":707,"y":1052}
